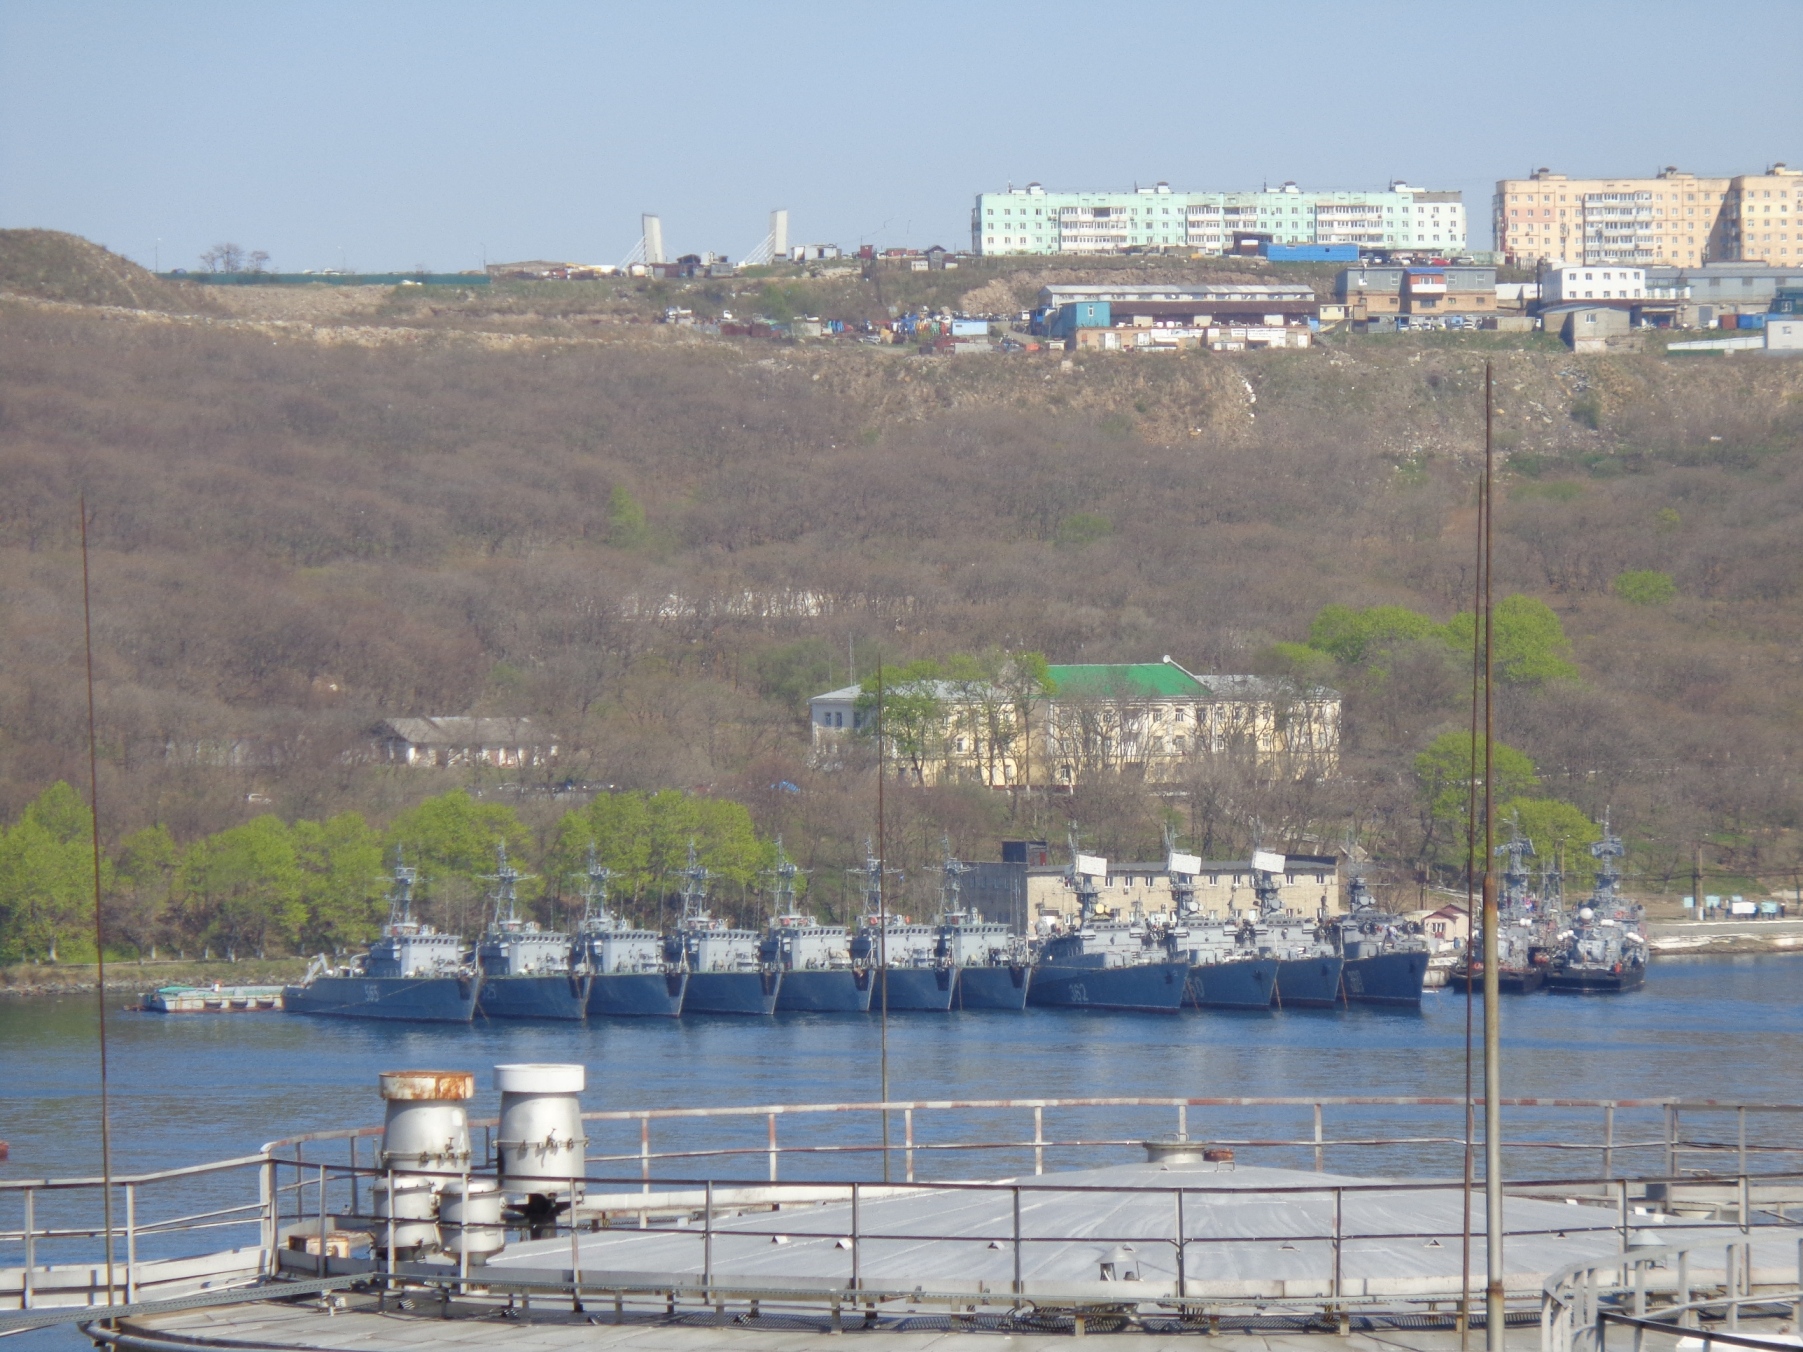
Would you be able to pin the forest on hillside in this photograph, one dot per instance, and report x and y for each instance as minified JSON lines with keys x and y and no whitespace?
{"x":659,"y":551}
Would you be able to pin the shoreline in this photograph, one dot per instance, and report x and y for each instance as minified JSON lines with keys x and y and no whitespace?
{"x":132,"y":978}
{"x":1726,"y":936}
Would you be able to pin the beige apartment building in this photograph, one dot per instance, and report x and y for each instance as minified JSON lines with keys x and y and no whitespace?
{"x":1673,"y":218}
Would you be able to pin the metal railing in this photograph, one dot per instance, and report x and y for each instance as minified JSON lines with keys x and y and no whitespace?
{"x":167,"y":1247}
{"x":1579,"y":1301}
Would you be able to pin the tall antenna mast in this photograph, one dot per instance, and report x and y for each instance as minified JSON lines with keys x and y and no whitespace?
{"x":106,"y":1123}
{"x":1493,"y":1181}
{"x":882,"y":914}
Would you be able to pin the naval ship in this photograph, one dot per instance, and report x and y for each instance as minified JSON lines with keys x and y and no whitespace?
{"x":1606,"y":949}
{"x":1309,"y":967}
{"x":824,"y":969}
{"x":910,"y":969}
{"x":630,"y":971}
{"x":527,"y":972}
{"x":1226,"y":970}
{"x":992,"y":966}
{"x":411,"y":972}
{"x":1104,"y":962}
{"x":1520,"y":967}
{"x":726,"y":971}
{"x":1385,"y":964}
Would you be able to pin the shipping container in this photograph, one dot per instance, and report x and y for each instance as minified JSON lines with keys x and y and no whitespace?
{"x":1730,"y":321}
{"x":970,"y":328}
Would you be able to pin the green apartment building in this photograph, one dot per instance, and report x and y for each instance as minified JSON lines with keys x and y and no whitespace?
{"x":1031,"y":220}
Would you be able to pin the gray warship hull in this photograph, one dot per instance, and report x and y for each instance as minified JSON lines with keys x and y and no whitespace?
{"x":1309,"y":983}
{"x":732,"y":992}
{"x":429,"y":999}
{"x":1597,"y":980}
{"x":1150,"y":987}
{"x":1243,"y":984}
{"x":999,"y":987}
{"x":910,"y":988}
{"x":637,"y":995}
{"x":1385,"y":979}
{"x":559,"y":995}
{"x":834,"y":990}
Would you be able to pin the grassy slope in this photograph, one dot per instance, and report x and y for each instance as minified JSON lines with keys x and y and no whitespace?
{"x":51,"y":265}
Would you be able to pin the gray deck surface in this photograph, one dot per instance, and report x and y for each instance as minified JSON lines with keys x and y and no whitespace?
{"x":1257,"y":1244}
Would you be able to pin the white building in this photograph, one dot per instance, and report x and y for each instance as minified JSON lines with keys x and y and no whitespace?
{"x":1558,"y":285}
{"x":444,"y":743}
{"x":1031,"y":220}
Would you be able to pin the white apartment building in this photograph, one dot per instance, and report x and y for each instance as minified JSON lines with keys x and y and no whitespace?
{"x":1031,"y":220}
{"x":1592,"y":283}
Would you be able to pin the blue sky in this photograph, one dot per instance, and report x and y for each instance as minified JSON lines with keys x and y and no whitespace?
{"x":390,"y":134}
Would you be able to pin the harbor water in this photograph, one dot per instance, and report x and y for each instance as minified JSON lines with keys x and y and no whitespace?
{"x":187,"y":1088}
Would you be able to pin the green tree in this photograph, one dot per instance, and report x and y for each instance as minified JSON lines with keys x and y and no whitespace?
{"x":644,"y":839}
{"x":626,"y":526}
{"x":47,"y":878}
{"x":1559,"y":832}
{"x":1645,"y":587}
{"x":452,"y":838}
{"x":914,"y":715}
{"x":1352,"y":636}
{"x":138,"y":905}
{"x":342,"y":892}
{"x":242,"y":887}
{"x":1531,"y":646}
{"x":1444,"y":775}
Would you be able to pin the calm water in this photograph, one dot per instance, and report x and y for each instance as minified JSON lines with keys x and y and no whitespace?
{"x":196,"y":1087}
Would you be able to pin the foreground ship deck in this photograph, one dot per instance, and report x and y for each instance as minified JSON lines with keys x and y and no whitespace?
{"x":690,"y":1245}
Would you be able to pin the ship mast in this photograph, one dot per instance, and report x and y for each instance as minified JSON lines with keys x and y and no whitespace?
{"x":951,"y":880}
{"x":400,"y":896}
{"x":782,"y":894}
{"x":594,"y":893}
{"x":505,"y":879}
{"x":695,"y":879}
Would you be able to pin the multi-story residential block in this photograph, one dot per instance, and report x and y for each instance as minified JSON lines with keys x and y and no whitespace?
{"x":1151,"y":721}
{"x":1031,"y":220}
{"x":1673,"y":219}
{"x":1765,"y":216}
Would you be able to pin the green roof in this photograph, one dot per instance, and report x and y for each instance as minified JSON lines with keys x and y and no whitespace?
{"x":1136,"y":679}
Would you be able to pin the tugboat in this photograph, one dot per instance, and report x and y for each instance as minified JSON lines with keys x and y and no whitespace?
{"x":727,"y":974}
{"x":411,"y":972}
{"x":909,"y":968}
{"x":1226,"y":968}
{"x":1104,"y":962}
{"x":1309,"y":967}
{"x":1517,"y":972}
{"x":992,"y":966}
{"x":1384,"y":963}
{"x":527,"y":972}
{"x":824,"y":968}
{"x":631,"y":973}
{"x":1605,"y":949}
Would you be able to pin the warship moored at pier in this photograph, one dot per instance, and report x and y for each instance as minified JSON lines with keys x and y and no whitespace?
{"x":725,"y":966}
{"x":1385,"y":964}
{"x":1520,"y":966}
{"x":632,"y":972}
{"x":527,"y":972}
{"x":1309,"y":967}
{"x":1226,"y":970}
{"x":1104,"y":962}
{"x":909,"y":967}
{"x":1605,"y":951}
{"x":993,"y":965}
{"x":411,"y":973}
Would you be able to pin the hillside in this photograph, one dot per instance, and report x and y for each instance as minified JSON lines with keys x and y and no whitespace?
{"x":51,"y":265}
{"x":660,"y":545}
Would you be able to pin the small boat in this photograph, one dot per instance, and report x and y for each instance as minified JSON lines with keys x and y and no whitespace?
{"x":214,"y":999}
{"x":726,"y":970}
{"x":527,"y":972}
{"x":632,"y":973}
{"x":1103,"y":961}
{"x":411,"y":973}
{"x":1605,"y":950}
